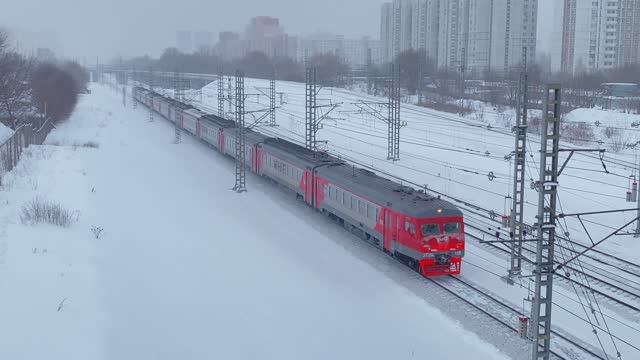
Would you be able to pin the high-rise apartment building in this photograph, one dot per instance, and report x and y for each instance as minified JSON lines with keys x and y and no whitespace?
{"x":202,"y":41}
{"x":514,"y":24}
{"x":600,"y":34}
{"x":482,"y":35}
{"x":408,"y":24}
{"x":452,"y":33}
{"x":184,"y":42}
{"x":353,"y":52}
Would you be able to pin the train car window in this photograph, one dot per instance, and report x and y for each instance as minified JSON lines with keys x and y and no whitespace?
{"x":377,"y":213}
{"x":369,"y":211}
{"x":452,"y":228}
{"x":353,"y":203}
{"x":410,"y":227}
{"x":344,"y":198}
{"x":430,"y":229}
{"x":361,"y":207}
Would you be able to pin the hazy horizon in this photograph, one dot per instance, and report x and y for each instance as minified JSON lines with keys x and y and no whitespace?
{"x":107,"y":30}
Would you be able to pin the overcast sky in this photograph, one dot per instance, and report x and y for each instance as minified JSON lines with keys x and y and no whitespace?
{"x":108,"y":28}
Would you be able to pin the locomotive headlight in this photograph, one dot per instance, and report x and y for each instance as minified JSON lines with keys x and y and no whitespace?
{"x":439,"y":210}
{"x":428,"y":256}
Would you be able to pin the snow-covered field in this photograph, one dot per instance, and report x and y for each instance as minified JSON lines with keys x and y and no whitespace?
{"x":186,"y":268}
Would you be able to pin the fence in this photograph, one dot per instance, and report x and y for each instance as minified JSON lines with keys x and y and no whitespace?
{"x":11,"y":149}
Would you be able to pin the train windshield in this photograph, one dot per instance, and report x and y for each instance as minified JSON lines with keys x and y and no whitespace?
{"x":452,"y":228}
{"x":430,"y":230}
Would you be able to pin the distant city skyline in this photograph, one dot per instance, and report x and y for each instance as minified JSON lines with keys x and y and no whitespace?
{"x":96,"y":28}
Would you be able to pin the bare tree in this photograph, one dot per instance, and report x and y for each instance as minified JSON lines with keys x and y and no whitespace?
{"x":15,"y":90}
{"x":54,"y":91}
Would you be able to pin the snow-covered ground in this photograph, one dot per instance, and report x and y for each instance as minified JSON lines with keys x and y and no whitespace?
{"x":5,"y":133}
{"x":186,"y":268}
{"x":465,"y":157}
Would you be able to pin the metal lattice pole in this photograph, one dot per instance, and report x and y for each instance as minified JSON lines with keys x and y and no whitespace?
{"x":177,"y":113}
{"x":230,"y":94}
{"x":463,"y":70}
{"x":272,"y":99}
{"x":133,"y":89}
{"x":394,"y":124}
{"x":311,"y":109}
{"x":517,"y":210}
{"x":151,"y":95}
{"x":546,"y":224}
{"x":124,"y":88}
{"x":220,"y":92}
{"x":240,"y":135}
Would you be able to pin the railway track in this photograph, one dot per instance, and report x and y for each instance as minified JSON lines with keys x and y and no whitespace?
{"x":633,"y":306}
{"x":505,"y":314}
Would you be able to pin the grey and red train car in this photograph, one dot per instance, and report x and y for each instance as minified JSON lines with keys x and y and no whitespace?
{"x":423,"y":231}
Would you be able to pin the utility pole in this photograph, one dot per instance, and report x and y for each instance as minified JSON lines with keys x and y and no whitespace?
{"x":272,"y":99}
{"x":240,"y":186}
{"x":220,"y":92}
{"x":546,"y":224}
{"x":230,"y":94}
{"x":133,"y":89}
{"x":393,"y":121}
{"x":517,"y":209}
{"x":177,"y":112}
{"x":151,"y":95}
{"x":463,"y":69}
{"x":637,"y":234}
{"x":369,"y":70}
{"x":311,"y":109}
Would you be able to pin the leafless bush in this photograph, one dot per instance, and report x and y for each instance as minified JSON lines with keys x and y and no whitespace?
{"x":91,"y":144}
{"x":610,"y":132}
{"x":479,"y":115}
{"x":97,"y":231}
{"x":42,"y":211}
{"x":577,"y":133}
{"x":534,"y":125}
{"x":448,"y":107}
{"x":617,"y":138}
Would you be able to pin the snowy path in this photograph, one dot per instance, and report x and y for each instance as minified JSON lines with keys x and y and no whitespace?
{"x":188,"y":269}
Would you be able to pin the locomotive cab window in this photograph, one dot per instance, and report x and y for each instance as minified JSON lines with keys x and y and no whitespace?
{"x":430,"y":230}
{"x":452,"y":228}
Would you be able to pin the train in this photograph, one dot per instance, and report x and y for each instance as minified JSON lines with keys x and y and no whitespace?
{"x":423,"y":231}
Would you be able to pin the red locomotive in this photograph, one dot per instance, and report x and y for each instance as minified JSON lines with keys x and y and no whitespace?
{"x":423,"y":231}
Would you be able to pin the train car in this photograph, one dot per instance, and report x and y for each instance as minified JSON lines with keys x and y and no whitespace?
{"x":190,"y":119}
{"x":424,"y":231}
{"x":213,"y":128}
{"x":290,"y":165}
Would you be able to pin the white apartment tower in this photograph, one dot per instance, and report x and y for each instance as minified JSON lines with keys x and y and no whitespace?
{"x":409,"y":24}
{"x":482,"y":35}
{"x":600,"y":34}
{"x":514,"y":24}
{"x":386,"y":31}
{"x":452,"y":33}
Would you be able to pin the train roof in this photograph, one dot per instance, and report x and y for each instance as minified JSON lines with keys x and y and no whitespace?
{"x":385,"y":192}
{"x":303,"y":156}
{"x":220,"y":121}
